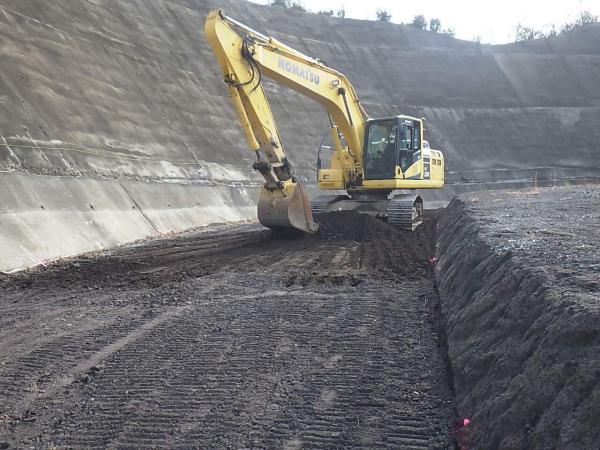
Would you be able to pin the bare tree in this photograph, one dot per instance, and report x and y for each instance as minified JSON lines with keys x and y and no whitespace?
{"x":524,"y":33}
{"x":585,"y":18}
{"x":299,"y":6}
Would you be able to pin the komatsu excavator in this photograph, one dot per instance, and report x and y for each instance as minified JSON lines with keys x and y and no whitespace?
{"x":369,"y":160}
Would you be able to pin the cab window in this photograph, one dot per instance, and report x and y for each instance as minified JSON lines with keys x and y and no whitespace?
{"x":381,"y":156}
{"x":417,"y":137}
{"x":406,"y":145}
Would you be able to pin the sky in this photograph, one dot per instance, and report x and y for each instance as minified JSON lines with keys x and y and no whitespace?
{"x":489,"y":21}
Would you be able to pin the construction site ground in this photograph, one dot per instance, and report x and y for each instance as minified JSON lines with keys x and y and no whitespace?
{"x":234,"y":337}
{"x":231,"y":338}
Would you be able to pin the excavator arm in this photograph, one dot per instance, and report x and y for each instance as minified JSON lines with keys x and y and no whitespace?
{"x":245,"y":57}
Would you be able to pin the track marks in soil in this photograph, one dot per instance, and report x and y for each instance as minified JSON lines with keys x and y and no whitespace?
{"x":292,"y":344}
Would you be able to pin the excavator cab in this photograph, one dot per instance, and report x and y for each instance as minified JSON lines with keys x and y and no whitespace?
{"x":391,"y":147}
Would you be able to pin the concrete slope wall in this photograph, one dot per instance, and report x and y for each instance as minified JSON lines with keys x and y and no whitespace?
{"x":121,"y":103}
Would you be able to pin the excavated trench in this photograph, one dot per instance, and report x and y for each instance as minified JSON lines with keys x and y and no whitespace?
{"x":235,"y":338}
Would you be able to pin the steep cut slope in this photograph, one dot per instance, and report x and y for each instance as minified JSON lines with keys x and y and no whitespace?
{"x":128,"y":93}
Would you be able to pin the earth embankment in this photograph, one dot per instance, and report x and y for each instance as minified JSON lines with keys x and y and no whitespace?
{"x":518,"y":275}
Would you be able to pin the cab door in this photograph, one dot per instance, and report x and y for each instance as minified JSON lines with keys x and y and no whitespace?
{"x":380,"y":156}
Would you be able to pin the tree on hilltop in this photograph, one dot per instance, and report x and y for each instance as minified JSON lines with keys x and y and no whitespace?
{"x":585,"y":18}
{"x":383,"y":15}
{"x":525,"y":33}
{"x":291,"y":4}
{"x":420,"y":22}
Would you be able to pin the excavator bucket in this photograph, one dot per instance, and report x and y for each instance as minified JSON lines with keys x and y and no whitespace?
{"x":288,"y":208}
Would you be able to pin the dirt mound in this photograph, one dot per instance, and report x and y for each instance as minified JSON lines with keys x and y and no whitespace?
{"x":351,"y":225}
{"x":522,"y":313}
{"x":384,"y":248}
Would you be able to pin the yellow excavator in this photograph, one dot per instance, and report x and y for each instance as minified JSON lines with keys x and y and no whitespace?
{"x":370,"y":162}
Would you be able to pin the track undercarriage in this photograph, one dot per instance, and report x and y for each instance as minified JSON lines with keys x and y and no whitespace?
{"x":402,"y":210}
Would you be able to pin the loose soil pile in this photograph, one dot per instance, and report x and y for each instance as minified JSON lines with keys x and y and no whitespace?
{"x":518,"y":272}
{"x":390,"y":250}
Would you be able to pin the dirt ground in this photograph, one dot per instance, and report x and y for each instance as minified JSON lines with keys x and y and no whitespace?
{"x":235,"y":338}
{"x":554,"y":230}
